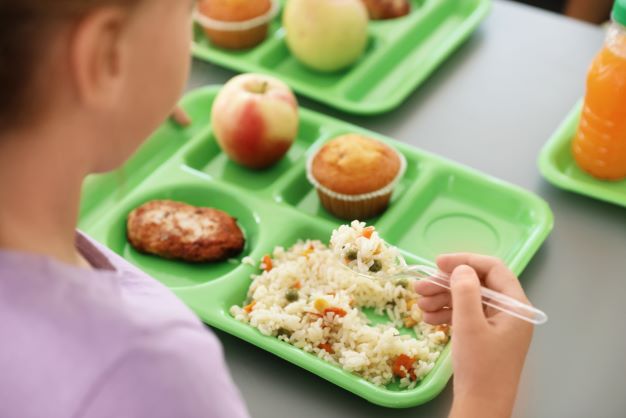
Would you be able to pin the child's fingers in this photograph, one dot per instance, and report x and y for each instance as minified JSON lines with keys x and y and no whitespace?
{"x":443,"y":316}
{"x":481,"y":263}
{"x":181,"y":117}
{"x":435,"y":303}
{"x":492,"y":271}
{"x":468,"y":310}
{"x":447,"y":262}
{"x":425,"y":288}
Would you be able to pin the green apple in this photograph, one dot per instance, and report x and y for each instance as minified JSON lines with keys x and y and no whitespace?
{"x":326,"y":35}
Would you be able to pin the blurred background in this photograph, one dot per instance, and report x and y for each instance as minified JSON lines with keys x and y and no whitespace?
{"x":592,"y":11}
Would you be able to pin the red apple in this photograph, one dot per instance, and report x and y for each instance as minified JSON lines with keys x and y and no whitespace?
{"x":255,"y":119}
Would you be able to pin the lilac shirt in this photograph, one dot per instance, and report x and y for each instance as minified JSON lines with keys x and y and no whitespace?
{"x":108,"y":343}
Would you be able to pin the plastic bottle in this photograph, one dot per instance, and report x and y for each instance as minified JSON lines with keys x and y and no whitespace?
{"x":600,"y":143}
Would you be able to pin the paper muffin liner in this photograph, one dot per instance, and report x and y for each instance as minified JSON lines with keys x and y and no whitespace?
{"x":355,"y":206}
{"x":224,"y":26}
{"x":361,"y":210}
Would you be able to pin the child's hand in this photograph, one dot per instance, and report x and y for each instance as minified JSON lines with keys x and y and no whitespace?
{"x":488,"y":347}
{"x":180,"y":117}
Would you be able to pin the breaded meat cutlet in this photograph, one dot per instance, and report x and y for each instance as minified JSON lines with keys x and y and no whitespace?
{"x":179,"y":231}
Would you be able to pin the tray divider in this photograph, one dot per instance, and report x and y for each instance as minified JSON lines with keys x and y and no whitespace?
{"x":402,"y":208}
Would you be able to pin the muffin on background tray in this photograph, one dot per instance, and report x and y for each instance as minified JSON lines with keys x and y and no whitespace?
{"x":387,"y":9}
{"x":236,"y":24}
{"x":355,"y":176}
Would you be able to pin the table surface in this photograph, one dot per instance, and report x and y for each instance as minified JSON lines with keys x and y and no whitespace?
{"x":492,"y":106}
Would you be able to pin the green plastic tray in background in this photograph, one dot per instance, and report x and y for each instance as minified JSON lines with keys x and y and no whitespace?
{"x":439,"y":206}
{"x":558,"y":166}
{"x":401,"y":54}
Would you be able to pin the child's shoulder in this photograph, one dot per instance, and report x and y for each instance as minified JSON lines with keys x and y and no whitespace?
{"x":61,"y":323}
{"x":88,"y":307}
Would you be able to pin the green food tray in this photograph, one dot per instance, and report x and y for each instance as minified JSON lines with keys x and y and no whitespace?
{"x":558,"y":166}
{"x":439,"y":206}
{"x":400,"y":55}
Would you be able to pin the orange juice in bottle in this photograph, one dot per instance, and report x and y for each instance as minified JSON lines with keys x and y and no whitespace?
{"x":599,"y":146}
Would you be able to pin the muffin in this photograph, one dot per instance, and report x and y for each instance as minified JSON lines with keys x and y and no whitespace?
{"x":387,"y":9}
{"x":236,"y":24}
{"x":355,"y":176}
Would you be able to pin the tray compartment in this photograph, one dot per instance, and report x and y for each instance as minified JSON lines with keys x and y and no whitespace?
{"x":301,"y":195}
{"x":394,"y":65}
{"x":176,"y":273}
{"x":456,"y":212}
{"x":214,"y":305}
{"x":206,"y":157}
{"x":234,"y":291}
{"x":401,"y":53}
{"x":278,"y":59}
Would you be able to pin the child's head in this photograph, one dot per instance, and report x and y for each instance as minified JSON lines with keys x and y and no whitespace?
{"x":110,"y":68}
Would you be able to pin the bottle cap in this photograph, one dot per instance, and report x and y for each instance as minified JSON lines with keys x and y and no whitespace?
{"x":619,"y":12}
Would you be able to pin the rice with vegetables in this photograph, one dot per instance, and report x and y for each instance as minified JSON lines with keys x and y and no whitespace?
{"x":361,"y":249}
{"x":305,"y":297}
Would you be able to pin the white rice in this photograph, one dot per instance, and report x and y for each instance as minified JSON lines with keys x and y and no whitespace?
{"x":365,"y":254}
{"x":310,"y":270}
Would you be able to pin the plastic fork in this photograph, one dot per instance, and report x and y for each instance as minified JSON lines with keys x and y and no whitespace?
{"x":490,"y":297}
